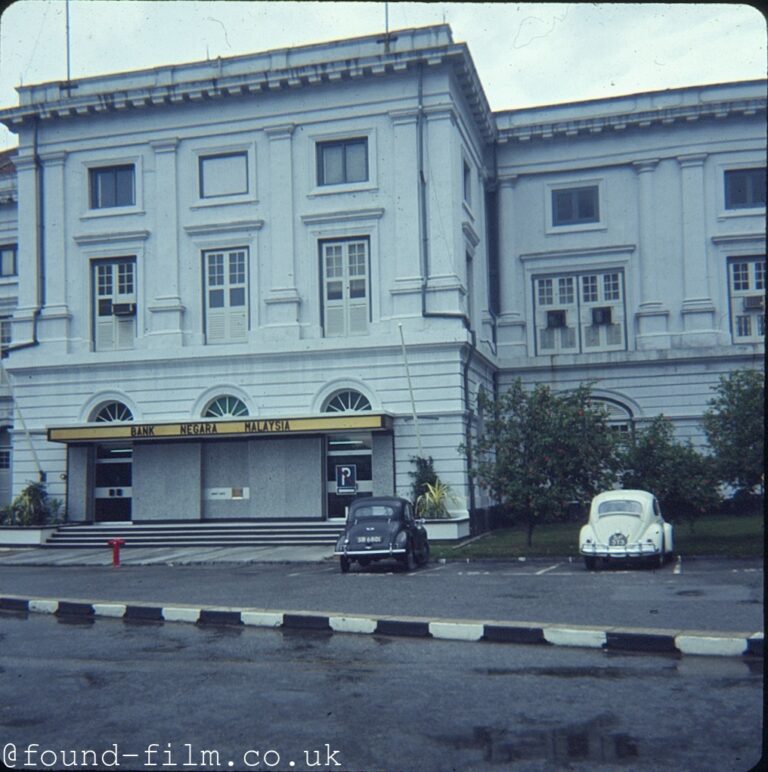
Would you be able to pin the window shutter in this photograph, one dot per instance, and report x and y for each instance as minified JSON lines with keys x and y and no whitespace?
{"x":217,"y":325}
{"x":105,"y":333}
{"x":334,"y":321}
{"x":358,"y":318}
{"x":125,"y":333}
{"x":238,"y":324}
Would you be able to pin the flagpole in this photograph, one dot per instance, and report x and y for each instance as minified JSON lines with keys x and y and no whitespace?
{"x":410,"y":390}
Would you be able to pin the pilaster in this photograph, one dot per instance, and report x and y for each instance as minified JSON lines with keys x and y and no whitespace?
{"x":511,"y":325}
{"x":282,"y":299}
{"x":166,"y":311}
{"x":698,"y":310}
{"x":652,"y":319}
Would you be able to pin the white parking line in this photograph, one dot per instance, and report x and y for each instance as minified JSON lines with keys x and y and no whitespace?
{"x":545,"y":570}
{"x":679,"y":565}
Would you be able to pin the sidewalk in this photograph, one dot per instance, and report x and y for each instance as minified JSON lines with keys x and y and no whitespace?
{"x":235,"y":586}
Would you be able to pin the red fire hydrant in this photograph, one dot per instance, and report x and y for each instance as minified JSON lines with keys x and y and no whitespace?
{"x":116,"y":544}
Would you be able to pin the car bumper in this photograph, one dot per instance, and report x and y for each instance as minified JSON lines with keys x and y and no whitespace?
{"x":625,"y":552}
{"x":379,"y":552}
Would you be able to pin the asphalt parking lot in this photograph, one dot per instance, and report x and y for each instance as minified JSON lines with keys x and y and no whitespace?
{"x":702,"y":594}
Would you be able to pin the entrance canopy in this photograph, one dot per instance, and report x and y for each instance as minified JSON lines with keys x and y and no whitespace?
{"x":251,"y":427}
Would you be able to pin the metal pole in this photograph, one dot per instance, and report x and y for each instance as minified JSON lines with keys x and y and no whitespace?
{"x":35,"y":457}
{"x":68,"y":55}
{"x":410,"y":390}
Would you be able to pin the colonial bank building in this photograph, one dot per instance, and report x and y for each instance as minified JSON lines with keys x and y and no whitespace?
{"x":218,"y":277}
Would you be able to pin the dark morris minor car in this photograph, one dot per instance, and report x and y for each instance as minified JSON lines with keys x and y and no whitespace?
{"x":381,"y":527}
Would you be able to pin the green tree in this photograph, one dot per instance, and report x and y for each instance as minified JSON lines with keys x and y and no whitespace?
{"x":682,"y":479}
{"x":537,"y":451}
{"x":735,"y":429}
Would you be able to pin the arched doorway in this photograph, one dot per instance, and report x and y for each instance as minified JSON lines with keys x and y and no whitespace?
{"x":349,"y":455}
{"x":113,"y":469}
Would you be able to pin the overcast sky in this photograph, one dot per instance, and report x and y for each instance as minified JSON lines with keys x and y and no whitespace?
{"x":526,"y":53}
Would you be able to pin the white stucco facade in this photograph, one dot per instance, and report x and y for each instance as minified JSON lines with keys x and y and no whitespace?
{"x":260,"y":229}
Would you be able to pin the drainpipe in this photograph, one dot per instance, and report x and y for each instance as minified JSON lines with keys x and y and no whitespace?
{"x":424,"y":255}
{"x":424,"y":251}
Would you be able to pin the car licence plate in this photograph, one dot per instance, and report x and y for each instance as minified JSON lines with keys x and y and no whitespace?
{"x":368,"y":539}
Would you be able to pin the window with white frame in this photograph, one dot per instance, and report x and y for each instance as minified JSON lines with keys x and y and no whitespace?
{"x":575,"y":206}
{"x":579,"y":312}
{"x":746,"y":281}
{"x":745,"y":188}
{"x":8,"y":261}
{"x":345,"y":270}
{"x":114,"y":303}
{"x":346,"y":401}
{"x":112,"y":186}
{"x":467,"y":183}
{"x":5,"y":335}
{"x":111,"y":412}
{"x":224,"y":174}
{"x":342,"y":161}
{"x":226,"y":295}
{"x":225,"y":406}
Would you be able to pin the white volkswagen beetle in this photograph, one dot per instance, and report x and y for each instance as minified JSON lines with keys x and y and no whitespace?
{"x":625,"y":524}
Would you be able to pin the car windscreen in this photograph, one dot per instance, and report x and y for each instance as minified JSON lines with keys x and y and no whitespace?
{"x":374,"y":511}
{"x":620,"y":507}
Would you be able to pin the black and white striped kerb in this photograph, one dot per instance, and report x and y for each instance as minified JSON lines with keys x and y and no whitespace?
{"x":612,"y":639}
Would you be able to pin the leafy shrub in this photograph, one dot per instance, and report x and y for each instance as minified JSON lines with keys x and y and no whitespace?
{"x":33,"y":506}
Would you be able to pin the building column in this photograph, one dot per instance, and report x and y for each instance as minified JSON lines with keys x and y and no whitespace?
{"x":54,"y":321}
{"x":28,"y":250}
{"x":282,"y":298}
{"x":406,"y":285}
{"x":445,"y":244}
{"x":698,"y":310}
{"x":511,"y":322}
{"x":165,"y":308}
{"x":652,"y":318}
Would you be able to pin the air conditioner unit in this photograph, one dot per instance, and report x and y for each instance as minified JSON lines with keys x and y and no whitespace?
{"x":754,"y":303}
{"x":555,"y":319}
{"x":124,"y":309}
{"x":601,"y":315}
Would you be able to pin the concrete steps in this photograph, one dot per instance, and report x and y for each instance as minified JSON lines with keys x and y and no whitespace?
{"x":274,"y":533}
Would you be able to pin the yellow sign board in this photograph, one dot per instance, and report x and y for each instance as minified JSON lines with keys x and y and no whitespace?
{"x":252,"y":427}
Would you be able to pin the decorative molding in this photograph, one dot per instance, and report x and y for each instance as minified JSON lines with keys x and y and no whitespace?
{"x":470,"y":234}
{"x":113,"y":237}
{"x":735,"y":238}
{"x":691,"y":160}
{"x":238,"y":226}
{"x":574,"y":253}
{"x":281,"y":131}
{"x":644,"y":166}
{"x":345,"y":215}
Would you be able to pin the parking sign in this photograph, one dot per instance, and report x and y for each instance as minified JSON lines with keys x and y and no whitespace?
{"x":346,"y":478}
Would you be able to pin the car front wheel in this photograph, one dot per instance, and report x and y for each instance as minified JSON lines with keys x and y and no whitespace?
{"x":344,"y":564}
{"x":409,"y":560}
{"x":425,"y":555}
{"x":590,"y":562}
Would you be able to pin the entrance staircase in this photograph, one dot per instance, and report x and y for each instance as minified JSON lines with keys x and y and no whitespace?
{"x":274,"y":533}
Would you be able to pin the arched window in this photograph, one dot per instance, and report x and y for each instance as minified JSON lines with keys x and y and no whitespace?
{"x":619,"y":416}
{"x":346,"y":401}
{"x":112,"y":411}
{"x":225,"y":406}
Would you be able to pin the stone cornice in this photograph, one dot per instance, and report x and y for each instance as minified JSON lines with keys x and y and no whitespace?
{"x":111,"y":238}
{"x":252,"y":75}
{"x":645,"y":119}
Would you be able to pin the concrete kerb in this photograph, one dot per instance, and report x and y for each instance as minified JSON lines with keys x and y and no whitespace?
{"x":646,"y":640}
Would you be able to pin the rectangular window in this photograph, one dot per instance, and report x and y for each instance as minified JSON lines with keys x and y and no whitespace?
{"x":467,"y":183}
{"x":224,"y":175}
{"x":226,"y":295}
{"x":746,"y":282}
{"x":344,"y":267}
{"x":744,"y":188}
{"x":114,"y":303}
{"x":113,"y":186}
{"x":5,"y":335}
{"x":579,"y":313}
{"x":342,"y":161}
{"x":8,"y":261}
{"x":574,"y":206}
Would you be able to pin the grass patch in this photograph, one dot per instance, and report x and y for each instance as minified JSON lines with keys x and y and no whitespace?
{"x":723,"y":535}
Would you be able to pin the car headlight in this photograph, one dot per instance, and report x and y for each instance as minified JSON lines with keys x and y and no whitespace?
{"x":342,"y":542}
